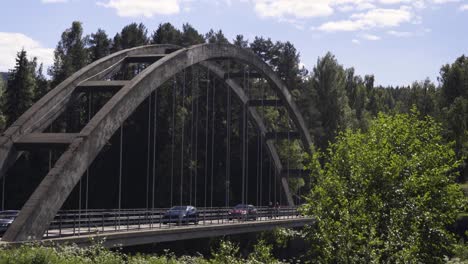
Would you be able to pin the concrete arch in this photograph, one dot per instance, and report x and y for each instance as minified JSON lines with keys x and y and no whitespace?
{"x":52,"y":192}
{"x":48,"y":108}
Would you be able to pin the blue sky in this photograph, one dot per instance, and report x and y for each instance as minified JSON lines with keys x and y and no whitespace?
{"x":399,"y":41}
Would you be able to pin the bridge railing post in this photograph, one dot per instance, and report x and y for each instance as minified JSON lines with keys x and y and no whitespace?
{"x":74,"y":223}
{"x":60,"y":225}
{"x":115,"y":220}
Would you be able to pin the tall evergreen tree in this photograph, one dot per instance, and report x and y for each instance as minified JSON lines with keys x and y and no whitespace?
{"x":100,"y":45}
{"x":42,"y":85}
{"x":286,"y":63}
{"x":216,"y":37}
{"x":166,"y":34}
{"x":70,"y":54}
{"x":241,"y":42}
{"x":454,"y":79}
{"x":328,"y":81}
{"x":19,"y":89}
{"x":190,"y":36}
{"x":132,"y":35}
{"x":263,"y":48}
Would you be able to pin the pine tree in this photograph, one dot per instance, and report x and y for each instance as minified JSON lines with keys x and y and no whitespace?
{"x":70,"y":54}
{"x":190,"y":36}
{"x":328,"y":82}
{"x":166,"y":34}
{"x":20,"y":87}
{"x":241,"y":42}
{"x":132,"y":35}
{"x":100,"y":45}
{"x":42,"y":85}
{"x":216,"y":37}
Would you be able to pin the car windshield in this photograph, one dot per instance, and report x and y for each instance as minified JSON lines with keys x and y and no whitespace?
{"x":241,"y":206}
{"x":178,"y":208}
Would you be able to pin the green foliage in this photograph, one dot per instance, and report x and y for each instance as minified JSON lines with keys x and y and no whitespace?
{"x":166,"y":34}
{"x":70,"y":54}
{"x":227,"y":252}
{"x":216,"y":37}
{"x":20,"y":88}
{"x":100,"y":45}
{"x":42,"y":84}
{"x":327,"y":91}
{"x":454,"y":79}
{"x":460,"y":253}
{"x":386,"y":195}
{"x":38,"y":254}
{"x":262,"y":254}
{"x":190,"y":36}
{"x":132,"y":35}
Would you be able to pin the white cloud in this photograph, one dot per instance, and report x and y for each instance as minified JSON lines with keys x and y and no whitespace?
{"x":294,"y":8}
{"x":444,"y":1}
{"x":464,"y":8}
{"x":53,"y":1}
{"x":375,"y":18}
{"x":356,"y":41}
{"x":370,"y":37}
{"x":11,"y":43}
{"x":400,"y":34}
{"x":146,"y":8}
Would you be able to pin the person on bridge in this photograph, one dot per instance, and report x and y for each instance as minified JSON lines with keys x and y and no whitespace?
{"x":270,"y":210}
{"x":277,"y":208}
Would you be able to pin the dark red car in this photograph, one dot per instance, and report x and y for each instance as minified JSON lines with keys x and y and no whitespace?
{"x":243,"y":212}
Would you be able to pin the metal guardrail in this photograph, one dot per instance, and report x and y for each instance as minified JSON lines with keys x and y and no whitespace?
{"x":81,"y":222}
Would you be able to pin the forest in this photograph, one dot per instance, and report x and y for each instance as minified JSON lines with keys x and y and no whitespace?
{"x":353,"y":123}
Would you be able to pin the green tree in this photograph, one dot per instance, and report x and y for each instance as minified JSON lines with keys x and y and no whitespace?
{"x":42,"y":84}
{"x":216,"y":37}
{"x":70,"y":54}
{"x":166,"y":34}
{"x":241,"y":42}
{"x":263,"y":48}
{"x":20,"y":87}
{"x":386,"y":195}
{"x":454,"y":79}
{"x":99,"y":45}
{"x":132,"y":35}
{"x":190,"y":36}
{"x":328,"y":85}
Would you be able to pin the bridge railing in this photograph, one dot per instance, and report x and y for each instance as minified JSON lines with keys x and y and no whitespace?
{"x":94,"y":221}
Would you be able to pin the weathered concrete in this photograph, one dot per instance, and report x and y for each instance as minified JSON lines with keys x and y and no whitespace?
{"x":45,"y":140}
{"x":100,"y":86}
{"x":46,"y":200}
{"x":49,"y":107}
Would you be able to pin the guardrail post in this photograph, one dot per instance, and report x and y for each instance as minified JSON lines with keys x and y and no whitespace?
{"x":74,"y":223}
{"x":60,"y":225}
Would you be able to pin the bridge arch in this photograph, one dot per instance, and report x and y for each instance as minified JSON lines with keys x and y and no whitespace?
{"x":52,"y":192}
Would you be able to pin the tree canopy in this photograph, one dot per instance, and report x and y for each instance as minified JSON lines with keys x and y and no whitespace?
{"x":385,"y":195}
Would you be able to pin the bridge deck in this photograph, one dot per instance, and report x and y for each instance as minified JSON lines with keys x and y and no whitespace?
{"x":147,"y":234}
{"x":127,"y":227}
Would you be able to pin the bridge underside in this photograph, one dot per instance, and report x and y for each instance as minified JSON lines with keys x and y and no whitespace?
{"x":168,"y":234}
